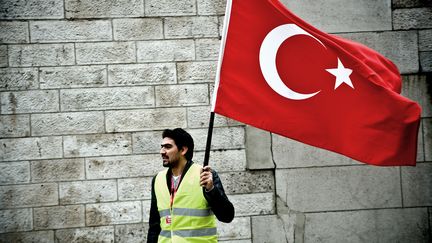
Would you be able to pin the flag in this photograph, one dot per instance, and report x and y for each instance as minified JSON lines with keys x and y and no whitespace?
{"x":278,"y":73}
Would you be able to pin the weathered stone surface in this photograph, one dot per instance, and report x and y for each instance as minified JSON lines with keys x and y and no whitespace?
{"x":248,"y":182}
{"x":223,"y":161}
{"x":426,"y":61}
{"x":134,"y":188}
{"x":123,"y":166}
{"x":146,"y":210}
{"x":67,"y":123}
{"x":14,"y":126}
{"x":259,"y":149}
{"x":410,"y":3}
{"x":147,"y":142}
{"x":138,"y":29}
{"x":417,"y":185}
{"x":346,"y":16}
{"x":131,"y":233}
{"x":28,"y":195}
{"x":237,"y":241}
{"x":72,"y":77}
{"x":242,"y":229}
{"x":165,"y":50}
{"x":34,"y":236}
{"x":103,"y":8}
{"x":425,"y":40}
{"x":223,"y":138}
{"x":79,"y":192}
{"x":169,"y":8}
{"x":113,"y":213}
{"x":59,"y":217}
{"x":368,"y":226}
{"x":89,"y":234}
{"x":339,"y":188}
{"x":57,"y":170}
{"x":207,"y":49}
{"x":41,"y":55}
{"x":211,"y":7}
{"x":15,"y":220}
{"x":199,"y":116}
{"x":18,"y":78}
{"x":3,"y":56}
{"x":97,"y":145}
{"x":415,"y":87}
{"x":106,"y":98}
{"x":253,"y":204}
{"x":196,"y":72}
{"x":427,"y":138}
{"x":412,"y":18}
{"x":31,"y":9}
{"x":191,"y":27}
{"x":182,"y":95}
{"x":105,"y":52}
{"x":33,"y":101}
{"x":13,"y":32}
{"x":14,"y":173}
{"x":406,"y":58}
{"x":142,"y":74}
{"x":30,"y":148}
{"x":147,"y":119}
{"x":269,"y":228}
{"x":70,"y":31}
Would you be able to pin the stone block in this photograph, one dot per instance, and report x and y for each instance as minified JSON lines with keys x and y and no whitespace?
{"x":89,"y":234}
{"x":253,"y":204}
{"x":169,"y":8}
{"x":425,"y":40}
{"x":410,"y":3}
{"x":33,"y":195}
{"x":223,"y":138}
{"x":57,"y":170}
{"x":406,"y":42}
{"x":31,"y":148}
{"x":426,"y":61}
{"x":13,"y":32}
{"x":412,"y":18}
{"x":191,"y":27}
{"x":224,"y":160}
{"x":415,"y":87}
{"x":33,"y":101}
{"x":59,"y":217}
{"x":70,"y":31}
{"x":14,"y":173}
{"x":106,"y":98}
{"x":417,"y":185}
{"x":351,"y":16}
{"x":248,"y":182}
{"x":199,"y":117}
{"x":41,"y":55}
{"x":427,"y":138}
{"x":80,"y":192}
{"x":142,"y":74}
{"x":241,"y":230}
{"x":270,"y":228}
{"x":32,"y":236}
{"x":105,"y":52}
{"x":131,"y":233}
{"x":146,"y":119}
{"x":146,"y":142}
{"x":103,"y":8}
{"x":165,"y":50}
{"x":113,"y":213}
{"x":138,"y":29}
{"x":97,"y":145}
{"x":237,"y":241}
{"x":72,"y":77}
{"x":123,"y":166}
{"x":146,"y":210}
{"x":3,"y":56}
{"x":211,"y":7}
{"x":31,"y":9}
{"x":134,"y":188}
{"x":18,"y":78}
{"x":15,"y":220}
{"x":67,"y":123}
{"x":339,"y":188}
{"x":384,"y":225}
{"x":196,"y":72}
{"x":207,"y":49}
{"x":182,"y":95}
{"x":258,"y":149}
{"x":14,"y":126}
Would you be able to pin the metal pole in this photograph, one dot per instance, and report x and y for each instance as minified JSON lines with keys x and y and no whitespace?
{"x":209,"y":138}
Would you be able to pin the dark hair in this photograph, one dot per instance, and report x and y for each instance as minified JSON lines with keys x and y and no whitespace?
{"x":181,"y":139}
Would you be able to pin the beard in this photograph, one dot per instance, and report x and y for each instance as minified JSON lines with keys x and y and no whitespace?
{"x":168,"y":163}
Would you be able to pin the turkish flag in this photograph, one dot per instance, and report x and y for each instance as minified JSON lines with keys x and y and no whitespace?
{"x":280,"y":74}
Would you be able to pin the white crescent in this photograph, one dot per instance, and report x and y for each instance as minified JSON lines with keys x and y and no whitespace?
{"x":267,"y":58}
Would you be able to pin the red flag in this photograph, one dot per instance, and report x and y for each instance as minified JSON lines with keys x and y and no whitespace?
{"x":280,"y":74}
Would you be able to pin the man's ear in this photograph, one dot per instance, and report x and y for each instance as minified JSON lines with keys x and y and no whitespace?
{"x":184,"y":150}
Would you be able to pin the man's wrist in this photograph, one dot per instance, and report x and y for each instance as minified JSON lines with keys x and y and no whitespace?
{"x":210,"y":189}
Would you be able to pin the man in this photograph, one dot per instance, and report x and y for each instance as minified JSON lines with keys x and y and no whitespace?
{"x":185,"y":197}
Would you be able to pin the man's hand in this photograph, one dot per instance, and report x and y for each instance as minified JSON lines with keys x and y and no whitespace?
{"x":206,"y":178}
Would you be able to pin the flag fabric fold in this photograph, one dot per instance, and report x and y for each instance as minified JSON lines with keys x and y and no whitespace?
{"x":278,"y":73}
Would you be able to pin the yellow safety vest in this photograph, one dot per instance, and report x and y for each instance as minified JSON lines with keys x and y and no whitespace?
{"x":190,"y":219}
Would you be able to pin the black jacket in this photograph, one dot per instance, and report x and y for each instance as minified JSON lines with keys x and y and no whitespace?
{"x":217,"y":199}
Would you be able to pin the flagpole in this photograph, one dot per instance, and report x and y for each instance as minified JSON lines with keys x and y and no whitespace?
{"x":209,"y":138}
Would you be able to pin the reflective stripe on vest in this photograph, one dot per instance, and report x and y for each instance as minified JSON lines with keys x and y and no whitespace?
{"x":190,"y":233}
{"x":186,"y":212}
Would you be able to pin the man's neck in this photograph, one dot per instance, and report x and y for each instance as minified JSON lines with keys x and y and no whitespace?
{"x":178,"y":170}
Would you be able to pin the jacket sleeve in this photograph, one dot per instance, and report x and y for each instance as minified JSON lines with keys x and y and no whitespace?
{"x":154,"y":221}
{"x":218,"y":200}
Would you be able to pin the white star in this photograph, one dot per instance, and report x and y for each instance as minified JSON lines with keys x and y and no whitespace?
{"x":342,"y":74}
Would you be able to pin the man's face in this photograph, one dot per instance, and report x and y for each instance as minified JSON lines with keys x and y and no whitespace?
{"x":170,"y":153}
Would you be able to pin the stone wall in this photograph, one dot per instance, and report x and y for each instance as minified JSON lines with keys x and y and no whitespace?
{"x":87,"y":86}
